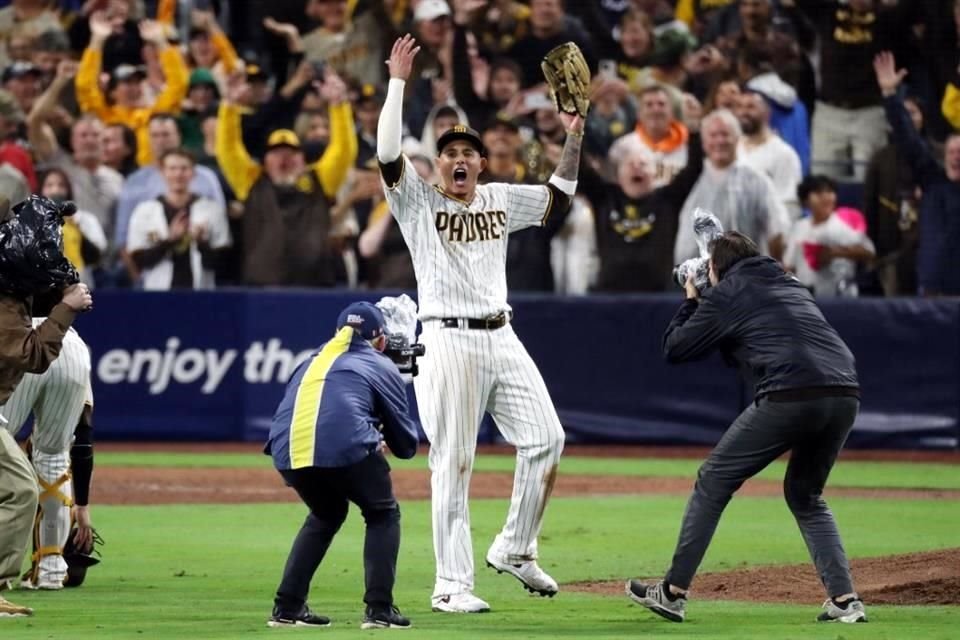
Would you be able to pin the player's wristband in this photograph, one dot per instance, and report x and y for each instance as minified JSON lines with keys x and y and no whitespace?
{"x":569,"y":187}
{"x":578,"y":134}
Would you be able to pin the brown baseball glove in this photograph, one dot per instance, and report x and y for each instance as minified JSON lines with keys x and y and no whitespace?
{"x":568,"y":75}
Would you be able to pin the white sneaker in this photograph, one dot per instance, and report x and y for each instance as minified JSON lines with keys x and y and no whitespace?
{"x":45,"y":583}
{"x":460,"y":603}
{"x":531,"y":576}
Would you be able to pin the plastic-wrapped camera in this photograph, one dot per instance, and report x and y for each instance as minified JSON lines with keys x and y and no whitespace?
{"x":707,"y":228}
{"x":404,"y":354}
{"x":400,"y":317}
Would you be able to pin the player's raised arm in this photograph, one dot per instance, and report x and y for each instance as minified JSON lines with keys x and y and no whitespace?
{"x":565,"y":175}
{"x":390,"y":128}
{"x":532,"y":206}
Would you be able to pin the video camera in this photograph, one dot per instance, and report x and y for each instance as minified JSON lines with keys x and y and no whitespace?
{"x":404,"y":354}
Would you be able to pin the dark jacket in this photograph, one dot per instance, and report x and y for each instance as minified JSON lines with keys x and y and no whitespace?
{"x":528,"y":52}
{"x":892,"y":211}
{"x":938,"y":263}
{"x":766,"y":322}
{"x":334,"y":405}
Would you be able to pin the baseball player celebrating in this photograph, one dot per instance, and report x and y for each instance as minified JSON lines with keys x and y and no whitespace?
{"x":457,"y":235}
{"x":58,"y":398}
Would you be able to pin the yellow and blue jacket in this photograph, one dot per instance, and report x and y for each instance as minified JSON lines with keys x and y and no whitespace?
{"x":336,"y":406}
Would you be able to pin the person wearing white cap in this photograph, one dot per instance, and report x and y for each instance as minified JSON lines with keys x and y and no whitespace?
{"x":432,"y":22}
{"x":429,"y":10}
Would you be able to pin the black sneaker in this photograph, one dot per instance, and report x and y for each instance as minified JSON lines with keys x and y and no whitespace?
{"x":305,"y":618}
{"x":847,"y":611}
{"x":384,"y":618}
{"x":654,"y":597}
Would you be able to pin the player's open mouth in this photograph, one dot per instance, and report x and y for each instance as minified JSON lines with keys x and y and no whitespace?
{"x":459,"y":177}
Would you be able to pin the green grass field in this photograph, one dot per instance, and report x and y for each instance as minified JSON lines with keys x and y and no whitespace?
{"x":196,"y":572}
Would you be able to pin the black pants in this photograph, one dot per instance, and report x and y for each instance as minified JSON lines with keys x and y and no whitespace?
{"x":814,"y":431}
{"x":328,"y":492}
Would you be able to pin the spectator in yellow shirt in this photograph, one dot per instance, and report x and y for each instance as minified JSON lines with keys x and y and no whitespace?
{"x":286,"y":222}
{"x":123,"y":103}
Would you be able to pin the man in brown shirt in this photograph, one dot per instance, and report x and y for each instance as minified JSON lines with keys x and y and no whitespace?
{"x":24,"y":349}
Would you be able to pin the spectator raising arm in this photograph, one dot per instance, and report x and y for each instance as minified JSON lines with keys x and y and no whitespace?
{"x":240,"y":170}
{"x":206,"y":20}
{"x":905,"y":135}
{"x":226,"y":53}
{"x":951,"y":101}
{"x":89,"y":96}
{"x":128,"y":110}
{"x":41,"y":137}
{"x":341,"y":153}
{"x":175,"y":73}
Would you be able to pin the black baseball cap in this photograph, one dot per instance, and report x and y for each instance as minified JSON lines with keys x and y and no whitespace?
{"x":502,"y":119}
{"x":19,"y":69}
{"x":461,"y":132}
{"x":370,"y":93}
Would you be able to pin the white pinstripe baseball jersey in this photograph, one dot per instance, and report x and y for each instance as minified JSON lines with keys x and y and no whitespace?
{"x":459,"y":252}
{"x":459,"y":249}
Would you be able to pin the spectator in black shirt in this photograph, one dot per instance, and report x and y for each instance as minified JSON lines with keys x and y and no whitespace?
{"x":550,"y":26}
{"x":636,"y":225}
{"x":848,"y":122}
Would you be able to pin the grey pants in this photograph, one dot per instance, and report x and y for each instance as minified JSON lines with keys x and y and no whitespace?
{"x":814,"y":431}
{"x":18,"y":507}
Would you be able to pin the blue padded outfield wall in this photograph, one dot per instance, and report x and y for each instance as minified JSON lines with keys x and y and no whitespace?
{"x":210,"y":366}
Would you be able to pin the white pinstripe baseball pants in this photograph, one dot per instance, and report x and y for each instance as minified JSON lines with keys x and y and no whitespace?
{"x":56,"y":397}
{"x":464,"y":373}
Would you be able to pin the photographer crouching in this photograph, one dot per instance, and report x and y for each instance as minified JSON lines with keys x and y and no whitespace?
{"x":31,"y":263}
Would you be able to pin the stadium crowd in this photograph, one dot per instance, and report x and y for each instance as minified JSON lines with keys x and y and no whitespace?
{"x":232,"y":142}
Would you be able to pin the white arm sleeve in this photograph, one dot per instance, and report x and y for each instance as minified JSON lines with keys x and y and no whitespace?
{"x":569,"y":187}
{"x":390,"y":127}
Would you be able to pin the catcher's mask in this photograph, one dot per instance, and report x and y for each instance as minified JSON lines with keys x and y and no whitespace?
{"x":461,"y":132}
{"x":79,"y":560}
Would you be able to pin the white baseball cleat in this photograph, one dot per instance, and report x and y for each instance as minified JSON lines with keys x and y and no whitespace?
{"x":460,"y":603}
{"x":531,"y":576}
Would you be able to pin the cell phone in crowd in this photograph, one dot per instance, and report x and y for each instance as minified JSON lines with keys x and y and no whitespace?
{"x":607,"y":69}
{"x":537,"y":100}
{"x":319,"y":68}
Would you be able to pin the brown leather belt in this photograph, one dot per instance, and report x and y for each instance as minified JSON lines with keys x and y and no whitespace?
{"x":493,"y":322}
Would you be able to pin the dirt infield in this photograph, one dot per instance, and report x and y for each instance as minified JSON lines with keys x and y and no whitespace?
{"x":918,"y":578}
{"x":166,"y":485}
{"x":910,"y":579}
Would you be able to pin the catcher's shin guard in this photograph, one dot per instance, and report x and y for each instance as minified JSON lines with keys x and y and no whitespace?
{"x":52,"y":527}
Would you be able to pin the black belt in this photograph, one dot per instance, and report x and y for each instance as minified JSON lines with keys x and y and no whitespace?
{"x":490,"y":323}
{"x":810,"y":393}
